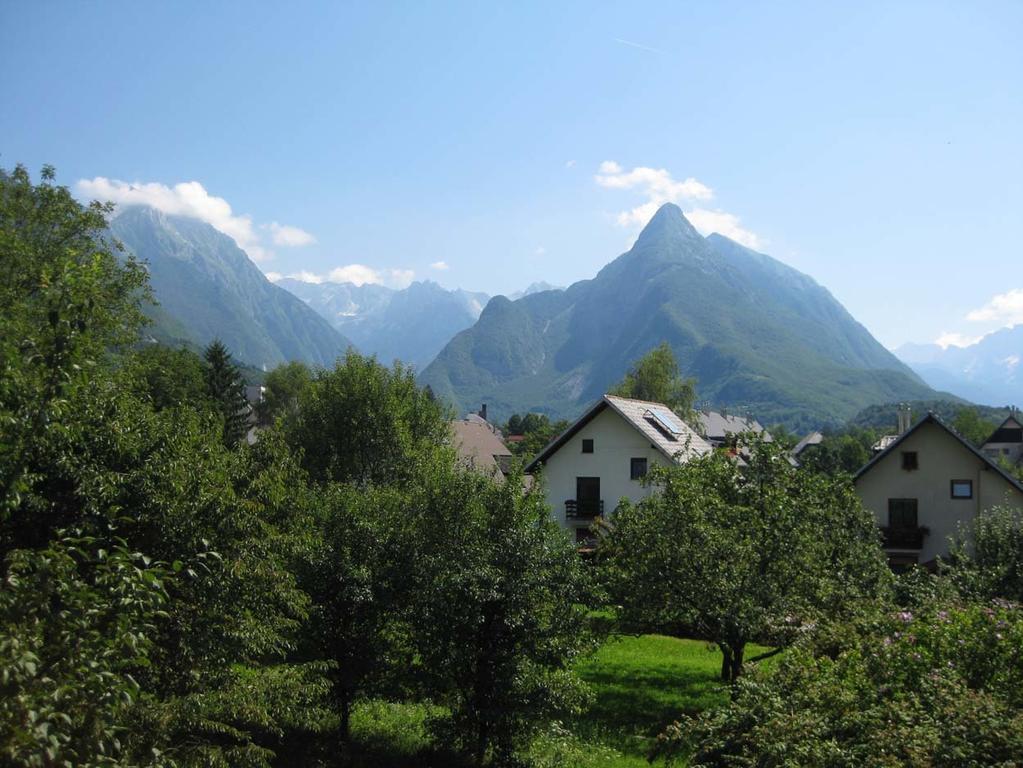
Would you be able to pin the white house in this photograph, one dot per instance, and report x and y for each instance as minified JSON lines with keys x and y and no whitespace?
{"x":924,"y":484}
{"x":605,"y":454}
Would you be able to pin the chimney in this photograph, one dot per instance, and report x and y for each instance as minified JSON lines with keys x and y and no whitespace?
{"x":905,"y":417}
{"x":483,"y":412}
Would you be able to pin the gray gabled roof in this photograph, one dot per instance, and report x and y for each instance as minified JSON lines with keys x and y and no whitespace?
{"x":718,"y":426}
{"x":678,"y":447}
{"x":930,"y":418}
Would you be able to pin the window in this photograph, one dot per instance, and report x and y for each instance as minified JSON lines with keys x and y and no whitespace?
{"x":588,"y":446}
{"x":902,"y":513}
{"x":962,"y":489}
{"x":637,"y":468}
{"x":909,"y":461}
{"x":585,"y":536}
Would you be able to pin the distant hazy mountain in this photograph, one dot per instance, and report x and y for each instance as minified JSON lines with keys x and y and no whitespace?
{"x":989,"y":372}
{"x":208,"y":288}
{"x":754,"y":332}
{"x":537,"y":287}
{"x":411,"y":325}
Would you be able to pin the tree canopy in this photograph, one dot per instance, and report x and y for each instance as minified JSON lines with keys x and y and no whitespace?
{"x":657,"y":377}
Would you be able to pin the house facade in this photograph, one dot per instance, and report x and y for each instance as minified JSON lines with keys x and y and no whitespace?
{"x":604,"y":456}
{"x":924,"y":484}
{"x":1006,"y":442}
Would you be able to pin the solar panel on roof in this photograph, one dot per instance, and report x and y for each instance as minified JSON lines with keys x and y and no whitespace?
{"x":666,"y":419}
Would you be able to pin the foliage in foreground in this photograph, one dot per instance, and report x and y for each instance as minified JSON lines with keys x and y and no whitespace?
{"x":938,"y":687}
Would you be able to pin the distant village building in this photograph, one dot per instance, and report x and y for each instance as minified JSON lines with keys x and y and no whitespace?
{"x":720,"y":429}
{"x":604,"y":456}
{"x":806,"y":446}
{"x":924,"y":483}
{"x":480,"y":445}
{"x":1006,"y":442}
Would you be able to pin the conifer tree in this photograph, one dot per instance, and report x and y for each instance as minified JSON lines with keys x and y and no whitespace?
{"x":227,"y":390}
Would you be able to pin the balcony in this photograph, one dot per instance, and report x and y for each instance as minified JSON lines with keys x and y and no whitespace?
{"x":904,"y":538}
{"x":584,"y":509}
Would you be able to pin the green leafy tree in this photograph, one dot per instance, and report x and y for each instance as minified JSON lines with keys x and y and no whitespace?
{"x":938,"y":687}
{"x":66,"y":298}
{"x":986,"y":557}
{"x":970,"y":424}
{"x":845,"y":452}
{"x":226,"y":389}
{"x":168,"y":378}
{"x":282,"y":388}
{"x":657,"y":377}
{"x":356,"y":571}
{"x":496,"y":621}
{"x":361,"y":422}
{"x":740,"y":553}
{"x":76,"y":630}
{"x":537,"y":429}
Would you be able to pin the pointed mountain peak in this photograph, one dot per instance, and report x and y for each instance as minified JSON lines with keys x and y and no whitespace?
{"x":668,"y":225}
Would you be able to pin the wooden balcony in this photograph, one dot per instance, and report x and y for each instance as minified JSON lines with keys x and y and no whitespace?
{"x":584,"y":509}
{"x":904,"y":538}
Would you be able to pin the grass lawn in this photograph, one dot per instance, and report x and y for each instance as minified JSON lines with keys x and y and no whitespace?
{"x":640,"y":684}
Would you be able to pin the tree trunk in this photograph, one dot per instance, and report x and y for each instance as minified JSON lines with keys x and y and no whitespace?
{"x":346,"y":717}
{"x":737,"y":662}
{"x":726,"y":663}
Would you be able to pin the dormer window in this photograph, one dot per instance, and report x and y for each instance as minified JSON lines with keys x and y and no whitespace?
{"x":909,"y":461}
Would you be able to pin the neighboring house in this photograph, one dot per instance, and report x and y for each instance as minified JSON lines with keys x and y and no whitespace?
{"x":253,"y":396}
{"x":480,"y":446}
{"x":924,"y":484}
{"x":1006,"y":442}
{"x":720,"y":429}
{"x":604,"y":456}
{"x":806,"y":446}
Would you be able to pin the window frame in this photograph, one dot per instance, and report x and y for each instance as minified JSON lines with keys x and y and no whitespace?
{"x":910,"y":458}
{"x":633,"y":463}
{"x":587,"y":445}
{"x":952,"y":489}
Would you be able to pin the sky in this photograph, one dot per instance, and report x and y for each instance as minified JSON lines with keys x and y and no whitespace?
{"x":875,"y":146}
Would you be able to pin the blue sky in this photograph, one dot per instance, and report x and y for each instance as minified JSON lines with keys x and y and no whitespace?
{"x":876,"y":147}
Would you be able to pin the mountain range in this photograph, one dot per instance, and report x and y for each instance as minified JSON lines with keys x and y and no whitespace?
{"x":207,"y":287}
{"x":411,"y":325}
{"x":755,"y":333}
{"x":989,"y":371}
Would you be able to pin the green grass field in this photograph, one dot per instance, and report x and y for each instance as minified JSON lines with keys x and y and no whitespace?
{"x":640,"y":684}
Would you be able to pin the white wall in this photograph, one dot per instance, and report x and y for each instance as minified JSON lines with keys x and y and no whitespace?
{"x":615,"y":443}
{"x":941,"y":459}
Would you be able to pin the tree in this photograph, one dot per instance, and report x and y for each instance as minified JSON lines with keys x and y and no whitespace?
{"x":356,"y":572}
{"x":226,"y":388}
{"x":537,"y":429}
{"x":66,"y":299}
{"x":970,"y":424}
{"x":657,"y":377}
{"x":282,"y":389}
{"x":845,"y":452}
{"x":986,"y":557}
{"x":739,"y":553}
{"x":167,"y":377}
{"x":76,"y":630}
{"x":363,"y":423}
{"x":939,"y":686}
{"x":496,"y":620}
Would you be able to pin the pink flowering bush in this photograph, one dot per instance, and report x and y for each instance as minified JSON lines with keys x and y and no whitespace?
{"x":937,"y":687}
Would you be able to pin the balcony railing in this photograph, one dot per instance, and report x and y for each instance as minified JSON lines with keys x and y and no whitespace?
{"x":584,"y":509}
{"x":904,"y":538}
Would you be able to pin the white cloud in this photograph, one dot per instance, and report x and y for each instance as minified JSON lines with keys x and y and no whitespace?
{"x":440,"y":266}
{"x":570,"y":163}
{"x":359,"y":274}
{"x":290,"y":237}
{"x":540,"y":250}
{"x":946,"y":340}
{"x":1004,"y":308}
{"x":274,"y":277}
{"x":190,"y":198}
{"x":658,"y":186}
